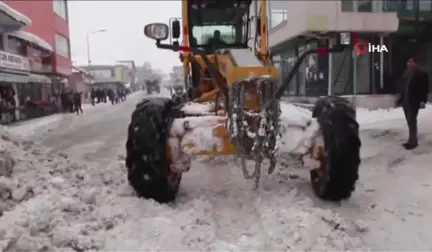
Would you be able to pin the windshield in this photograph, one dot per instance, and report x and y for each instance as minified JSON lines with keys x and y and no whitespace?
{"x":219,"y":27}
{"x":204,"y":35}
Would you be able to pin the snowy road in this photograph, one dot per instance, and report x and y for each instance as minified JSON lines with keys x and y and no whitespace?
{"x":80,"y":199}
{"x":99,"y":134}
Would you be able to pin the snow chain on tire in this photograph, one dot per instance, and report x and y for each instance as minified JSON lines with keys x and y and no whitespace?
{"x":255,"y":134}
{"x":146,"y":161}
{"x":337,"y":119}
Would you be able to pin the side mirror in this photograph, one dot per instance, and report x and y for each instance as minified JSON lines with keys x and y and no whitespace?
{"x":156,"y":31}
{"x":176,"y":29}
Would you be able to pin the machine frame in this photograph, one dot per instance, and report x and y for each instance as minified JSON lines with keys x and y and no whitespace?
{"x":209,"y":125}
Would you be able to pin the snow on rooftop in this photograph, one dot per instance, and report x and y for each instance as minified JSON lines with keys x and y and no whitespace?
{"x":19,"y":17}
{"x":32,"y":38}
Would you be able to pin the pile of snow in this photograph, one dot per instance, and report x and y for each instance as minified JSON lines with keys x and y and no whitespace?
{"x":12,"y":157}
{"x":40,"y":193}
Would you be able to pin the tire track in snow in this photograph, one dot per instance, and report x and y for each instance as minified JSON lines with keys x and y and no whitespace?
{"x":238,"y":223}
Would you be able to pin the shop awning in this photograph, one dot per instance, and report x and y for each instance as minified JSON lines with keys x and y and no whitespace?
{"x":13,"y":78}
{"x":13,"y":15}
{"x":38,"y":78}
{"x":30,"y":37}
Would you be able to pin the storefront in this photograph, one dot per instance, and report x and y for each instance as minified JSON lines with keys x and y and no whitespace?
{"x":13,"y":74}
{"x":333,"y":74}
{"x":311,"y":77}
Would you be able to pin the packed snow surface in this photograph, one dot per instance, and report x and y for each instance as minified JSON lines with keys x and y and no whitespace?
{"x":68,"y":192}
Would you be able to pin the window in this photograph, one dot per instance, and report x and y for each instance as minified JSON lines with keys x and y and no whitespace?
{"x":1,"y":42}
{"x":202,"y":34}
{"x":277,"y":12}
{"x":358,"y":5}
{"x":16,"y":46}
{"x":233,"y":27}
{"x":103,"y":73}
{"x":59,"y":7}
{"x":62,"y":45}
{"x":277,"y":17}
{"x":418,"y":4}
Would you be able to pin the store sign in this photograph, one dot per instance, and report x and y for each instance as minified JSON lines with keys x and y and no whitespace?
{"x":13,"y":61}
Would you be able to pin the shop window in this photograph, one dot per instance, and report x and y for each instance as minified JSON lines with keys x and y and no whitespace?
{"x":16,"y":46}
{"x":24,"y":91}
{"x":1,"y":42}
{"x":62,"y":45}
{"x":60,"y":7}
{"x":36,"y":91}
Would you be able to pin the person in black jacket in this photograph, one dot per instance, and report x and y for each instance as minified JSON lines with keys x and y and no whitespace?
{"x":77,"y":102}
{"x":413,"y":96}
{"x":93,"y":94}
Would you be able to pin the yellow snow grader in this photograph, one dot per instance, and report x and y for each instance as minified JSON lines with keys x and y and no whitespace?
{"x":233,"y":108}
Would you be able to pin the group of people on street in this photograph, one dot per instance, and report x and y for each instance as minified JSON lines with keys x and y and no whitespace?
{"x":98,"y":95}
{"x":71,"y":101}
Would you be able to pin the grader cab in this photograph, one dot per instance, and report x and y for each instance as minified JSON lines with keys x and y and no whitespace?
{"x":233,"y":108}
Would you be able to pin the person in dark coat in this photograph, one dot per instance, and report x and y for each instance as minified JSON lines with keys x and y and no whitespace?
{"x":63,"y":99}
{"x":105,"y":93}
{"x":413,"y":96}
{"x":99,"y":95}
{"x":111,"y":96}
{"x":77,"y":102}
{"x":93,"y":96}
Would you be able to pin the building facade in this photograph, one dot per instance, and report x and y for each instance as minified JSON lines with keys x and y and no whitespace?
{"x":31,"y":65}
{"x":296,"y":26}
{"x":50,"y":23}
{"x":110,"y":76}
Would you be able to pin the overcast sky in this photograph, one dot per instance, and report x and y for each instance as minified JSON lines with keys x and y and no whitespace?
{"x":124,"y":38}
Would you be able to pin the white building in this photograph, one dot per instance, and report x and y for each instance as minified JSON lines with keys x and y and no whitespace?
{"x":295,"y":26}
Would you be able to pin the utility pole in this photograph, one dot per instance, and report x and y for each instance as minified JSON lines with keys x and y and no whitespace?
{"x":88,"y":44}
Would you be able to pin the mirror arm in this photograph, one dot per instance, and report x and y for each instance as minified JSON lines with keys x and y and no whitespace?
{"x":166,"y":46}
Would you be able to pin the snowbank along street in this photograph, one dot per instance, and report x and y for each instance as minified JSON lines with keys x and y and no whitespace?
{"x":67,"y":190}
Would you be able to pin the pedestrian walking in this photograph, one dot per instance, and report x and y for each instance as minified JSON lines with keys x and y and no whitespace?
{"x":93,"y":96}
{"x":111,"y":96}
{"x":77,"y":102}
{"x":413,"y":96}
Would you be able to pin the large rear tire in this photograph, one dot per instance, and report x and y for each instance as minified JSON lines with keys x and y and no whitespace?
{"x":336,"y":180}
{"x":147,"y":162}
